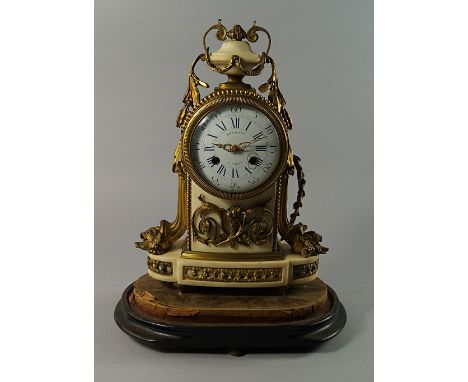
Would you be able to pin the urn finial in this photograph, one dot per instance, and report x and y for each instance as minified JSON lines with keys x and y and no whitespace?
{"x":235,"y":56}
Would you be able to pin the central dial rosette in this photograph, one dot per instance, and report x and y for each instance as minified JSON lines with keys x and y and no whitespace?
{"x":235,"y":148}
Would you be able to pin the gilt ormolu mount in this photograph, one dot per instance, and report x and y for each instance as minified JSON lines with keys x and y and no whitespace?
{"x":233,"y":271}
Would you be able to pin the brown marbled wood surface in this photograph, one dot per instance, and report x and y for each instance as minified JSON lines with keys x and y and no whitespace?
{"x":164,"y":301}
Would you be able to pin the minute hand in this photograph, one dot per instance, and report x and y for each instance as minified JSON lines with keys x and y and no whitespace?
{"x":243,"y":145}
{"x":232,"y":148}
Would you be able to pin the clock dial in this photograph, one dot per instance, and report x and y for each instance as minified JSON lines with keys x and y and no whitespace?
{"x":235,"y":148}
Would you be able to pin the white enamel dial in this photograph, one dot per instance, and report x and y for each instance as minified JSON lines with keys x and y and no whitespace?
{"x":235,"y":148}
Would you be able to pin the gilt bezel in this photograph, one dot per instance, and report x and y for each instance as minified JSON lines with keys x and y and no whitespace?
{"x":225,"y":97}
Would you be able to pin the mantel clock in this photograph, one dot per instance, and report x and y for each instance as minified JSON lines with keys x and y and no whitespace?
{"x":233,"y":257}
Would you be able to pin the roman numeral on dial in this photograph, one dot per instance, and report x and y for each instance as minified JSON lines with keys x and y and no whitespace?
{"x":235,"y":123}
{"x":222,"y":126}
{"x":259,"y":136}
{"x":221,"y":170}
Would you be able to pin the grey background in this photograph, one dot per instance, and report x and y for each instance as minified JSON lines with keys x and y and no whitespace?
{"x":323,"y":50}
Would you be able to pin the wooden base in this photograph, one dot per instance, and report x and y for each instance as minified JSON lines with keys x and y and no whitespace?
{"x":205,"y":319}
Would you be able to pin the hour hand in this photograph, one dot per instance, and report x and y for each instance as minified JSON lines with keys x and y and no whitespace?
{"x":225,"y":146}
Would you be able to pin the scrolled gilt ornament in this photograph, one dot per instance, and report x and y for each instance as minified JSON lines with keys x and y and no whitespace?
{"x":237,"y":33}
{"x":221,"y":32}
{"x":158,"y":240}
{"x":160,"y":267}
{"x":301,"y":181}
{"x":177,"y":163}
{"x":290,"y":167}
{"x":236,"y":62}
{"x":305,"y":270}
{"x":235,"y":225}
{"x":274,"y":94}
{"x":239,"y":275}
{"x":252,"y":35}
{"x":192,"y":95}
{"x":155,"y":240}
{"x":307,"y":243}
